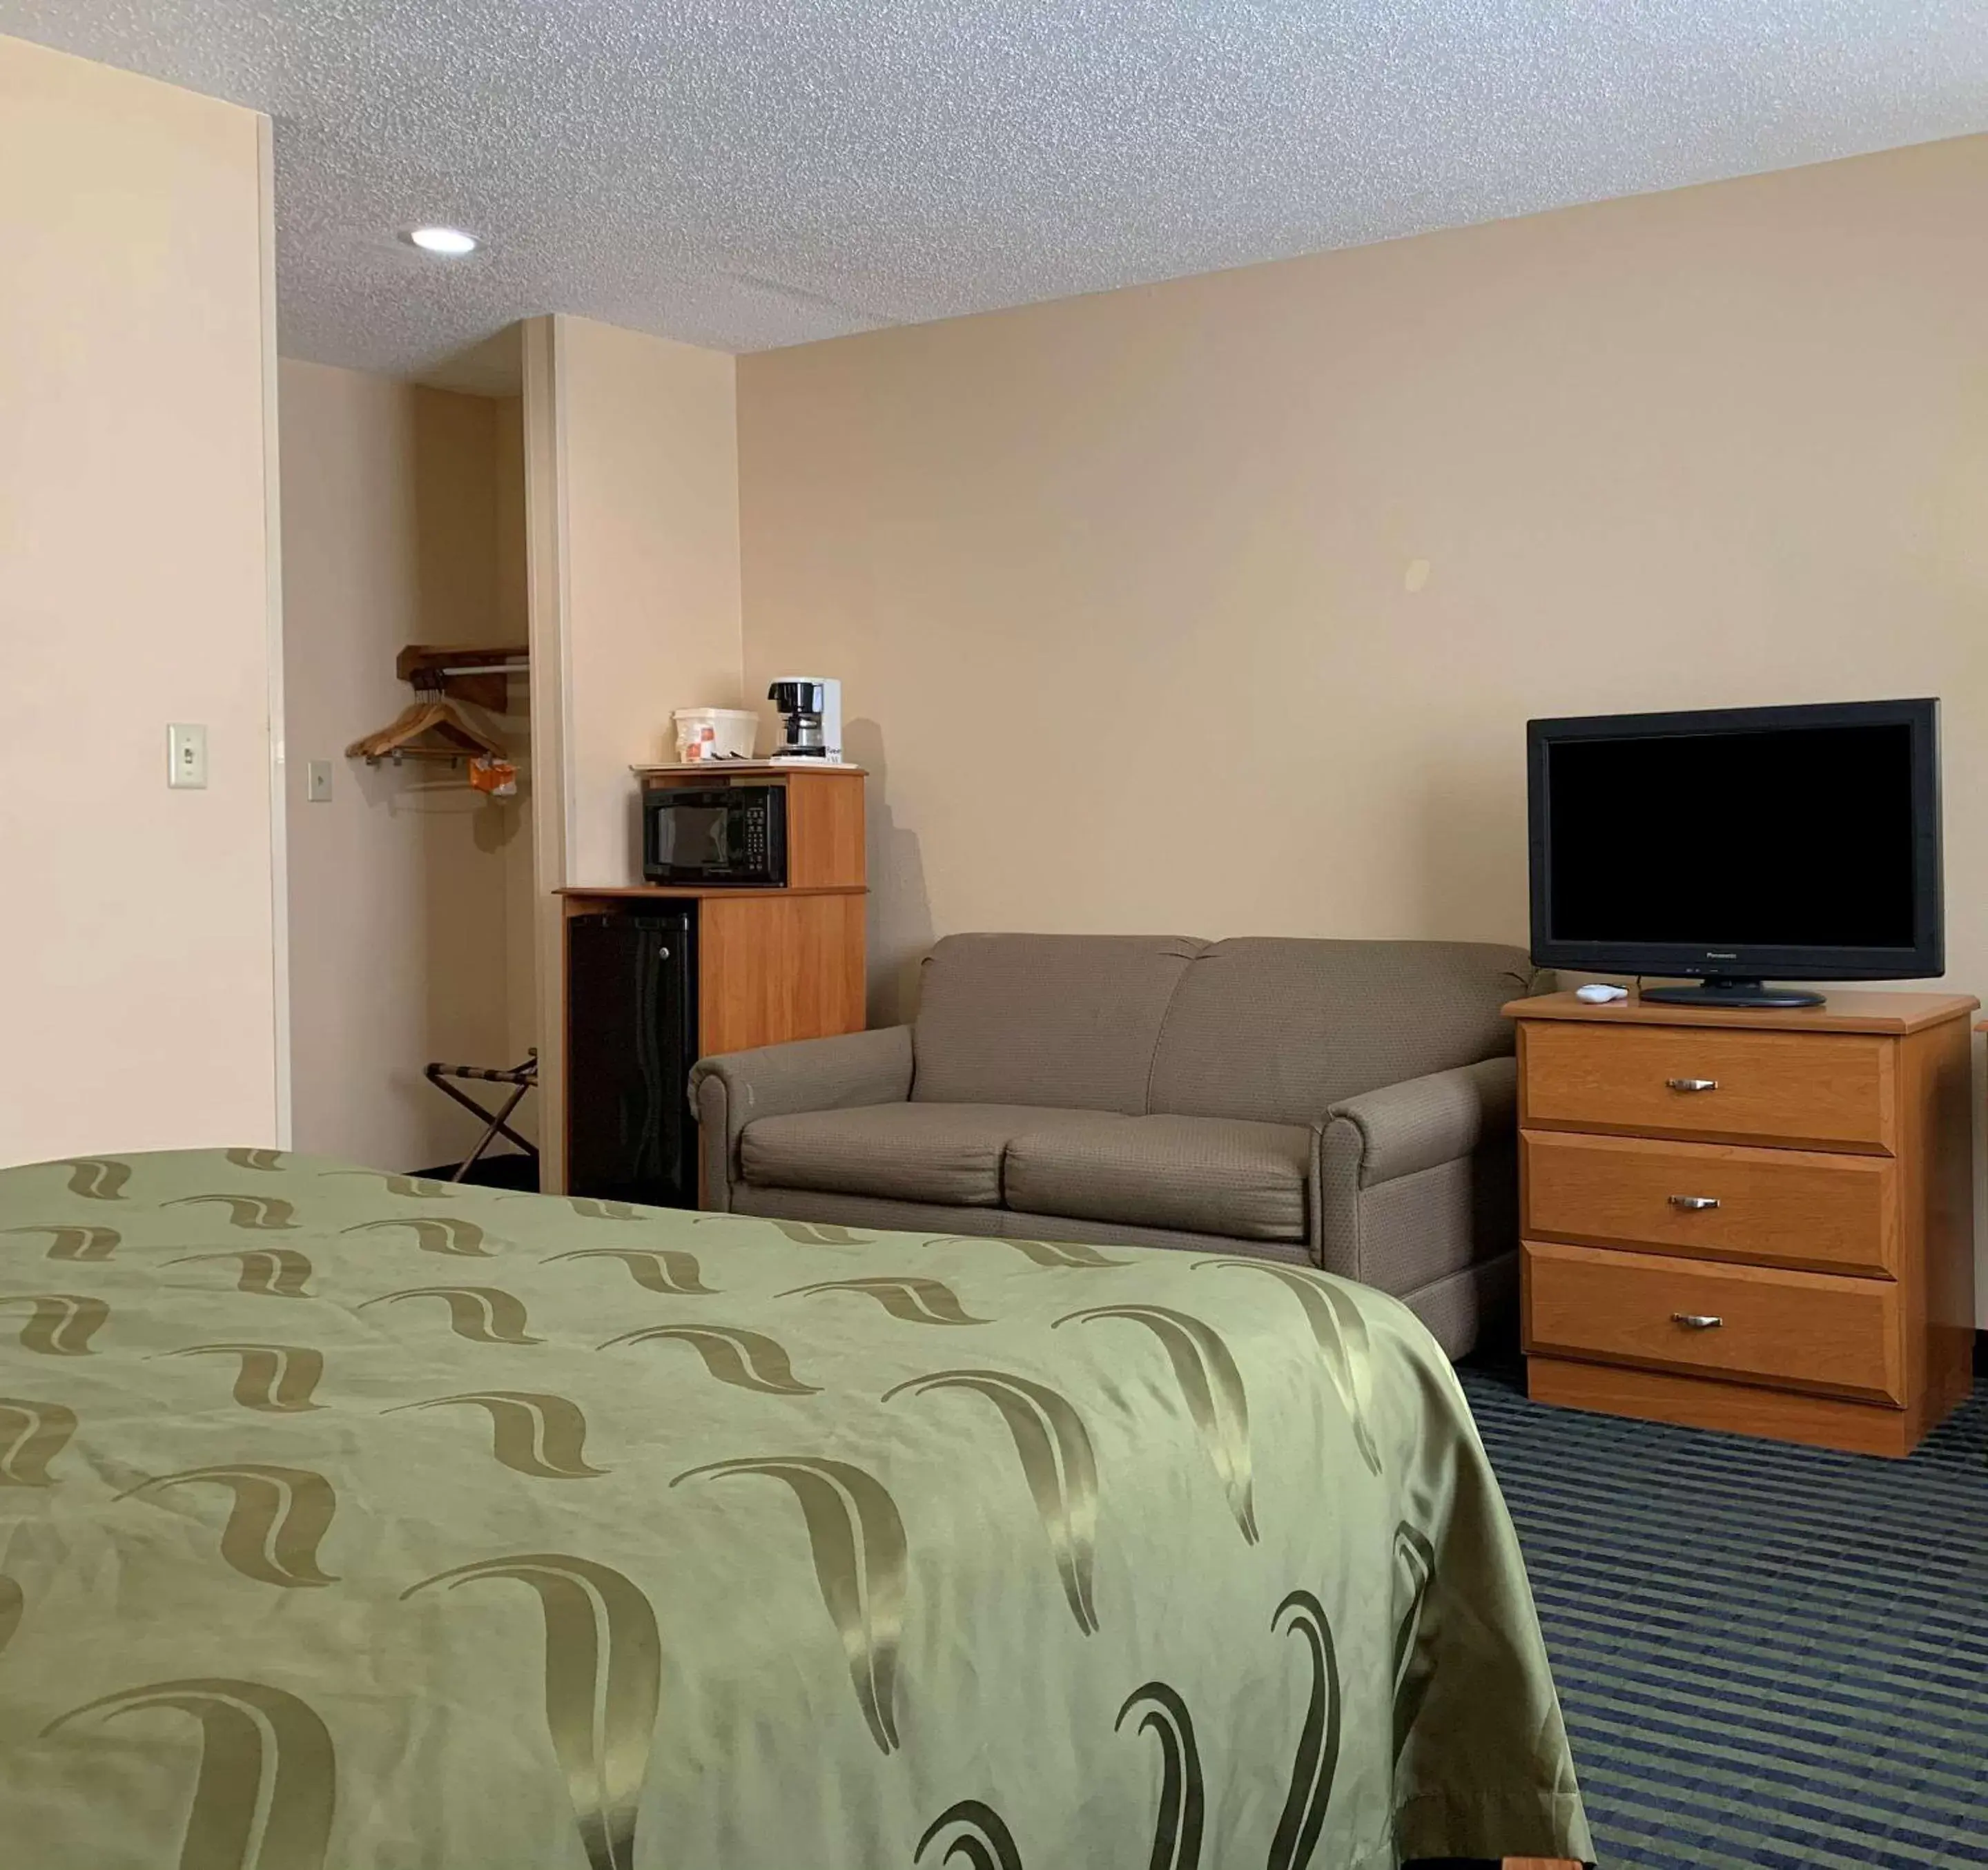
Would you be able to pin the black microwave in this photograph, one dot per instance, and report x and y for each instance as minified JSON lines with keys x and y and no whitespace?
{"x":720,"y":836}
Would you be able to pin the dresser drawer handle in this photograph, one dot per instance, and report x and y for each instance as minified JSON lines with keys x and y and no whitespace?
{"x":1693,"y":1202}
{"x":1696,"y":1320}
{"x":1692,"y":1083}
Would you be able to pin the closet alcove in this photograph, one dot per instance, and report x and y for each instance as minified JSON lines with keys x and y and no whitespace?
{"x":410,"y":889}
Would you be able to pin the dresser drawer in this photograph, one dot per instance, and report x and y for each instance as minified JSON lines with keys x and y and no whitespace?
{"x":1824,"y":1090}
{"x":1794,"y":1330}
{"x":1770,"y":1207}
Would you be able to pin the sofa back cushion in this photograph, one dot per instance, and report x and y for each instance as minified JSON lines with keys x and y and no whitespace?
{"x":1275,"y":1031}
{"x":1065,"y":1022}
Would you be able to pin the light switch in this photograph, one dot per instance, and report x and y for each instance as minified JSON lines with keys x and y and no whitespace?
{"x":317,"y":783}
{"x":185,"y":755}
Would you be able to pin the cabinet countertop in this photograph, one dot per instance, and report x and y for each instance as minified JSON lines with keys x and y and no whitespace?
{"x":636,"y":891}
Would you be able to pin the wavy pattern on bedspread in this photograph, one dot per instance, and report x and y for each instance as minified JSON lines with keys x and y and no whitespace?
{"x":350,"y":1520}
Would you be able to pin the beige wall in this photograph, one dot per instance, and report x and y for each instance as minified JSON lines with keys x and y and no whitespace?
{"x":138,"y":946}
{"x":649,"y":472}
{"x":1219,"y":605}
{"x":403,"y":522}
{"x":630,"y":458}
{"x":542,"y":431}
{"x":513,"y":617}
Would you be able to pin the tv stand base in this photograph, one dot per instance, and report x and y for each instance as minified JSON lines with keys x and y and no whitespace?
{"x":1733,"y":993}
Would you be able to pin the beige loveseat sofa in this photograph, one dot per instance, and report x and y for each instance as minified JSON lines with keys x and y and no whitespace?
{"x":1343,"y":1104}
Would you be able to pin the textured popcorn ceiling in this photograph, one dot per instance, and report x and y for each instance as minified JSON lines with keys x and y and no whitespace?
{"x":749,"y":173}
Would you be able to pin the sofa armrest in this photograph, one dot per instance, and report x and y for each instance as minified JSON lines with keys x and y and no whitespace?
{"x":1422,"y":1121}
{"x":728,"y":1091}
{"x":1383,"y":1136}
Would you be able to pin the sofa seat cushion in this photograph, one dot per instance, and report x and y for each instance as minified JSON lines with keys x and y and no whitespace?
{"x":938,"y":1152}
{"x":1198,"y":1175}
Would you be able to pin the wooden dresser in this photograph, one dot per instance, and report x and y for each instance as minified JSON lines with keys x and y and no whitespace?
{"x":1760,"y":1221}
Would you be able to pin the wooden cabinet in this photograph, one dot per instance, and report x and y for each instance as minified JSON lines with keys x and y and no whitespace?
{"x":772,"y":968}
{"x":772,"y":964}
{"x":1754,"y":1220}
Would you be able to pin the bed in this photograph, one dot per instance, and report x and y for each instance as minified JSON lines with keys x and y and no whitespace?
{"x":352,"y":1522}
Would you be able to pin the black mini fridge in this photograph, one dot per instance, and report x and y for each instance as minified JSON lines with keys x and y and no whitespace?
{"x":631,"y":1039}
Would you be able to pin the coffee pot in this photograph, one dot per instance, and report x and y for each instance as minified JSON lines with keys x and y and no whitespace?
{"x":810,"y":715}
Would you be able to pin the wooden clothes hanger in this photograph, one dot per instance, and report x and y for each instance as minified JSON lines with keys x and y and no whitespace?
{"x":432,"y":716}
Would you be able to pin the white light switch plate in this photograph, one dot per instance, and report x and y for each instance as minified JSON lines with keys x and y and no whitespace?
{"x":317,"y":782}
{"x":185,"y":755}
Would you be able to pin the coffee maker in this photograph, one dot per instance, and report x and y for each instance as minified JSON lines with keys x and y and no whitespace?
{"x":810,"y":717}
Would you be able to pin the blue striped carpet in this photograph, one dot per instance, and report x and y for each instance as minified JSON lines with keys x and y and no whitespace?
{"x":1767,"y":1655}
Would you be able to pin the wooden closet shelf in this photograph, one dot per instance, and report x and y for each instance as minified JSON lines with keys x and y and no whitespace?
{"x":472,"y":674}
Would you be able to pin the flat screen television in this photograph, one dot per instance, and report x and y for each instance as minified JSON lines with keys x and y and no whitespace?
{"x":1739,"y":845}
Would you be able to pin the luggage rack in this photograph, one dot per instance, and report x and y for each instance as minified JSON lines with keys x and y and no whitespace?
{"x":496,"y":1123}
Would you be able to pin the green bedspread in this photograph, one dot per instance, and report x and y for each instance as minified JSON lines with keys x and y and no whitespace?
{"x":353,"y":1522}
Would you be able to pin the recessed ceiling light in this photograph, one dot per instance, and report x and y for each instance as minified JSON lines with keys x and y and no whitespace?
{"x":449,"y":242}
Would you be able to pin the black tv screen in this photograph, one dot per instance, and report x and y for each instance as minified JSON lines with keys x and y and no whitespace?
{"x":1802,"y":842}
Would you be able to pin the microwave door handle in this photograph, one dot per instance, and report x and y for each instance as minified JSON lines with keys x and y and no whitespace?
{"x":652,"y":838}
